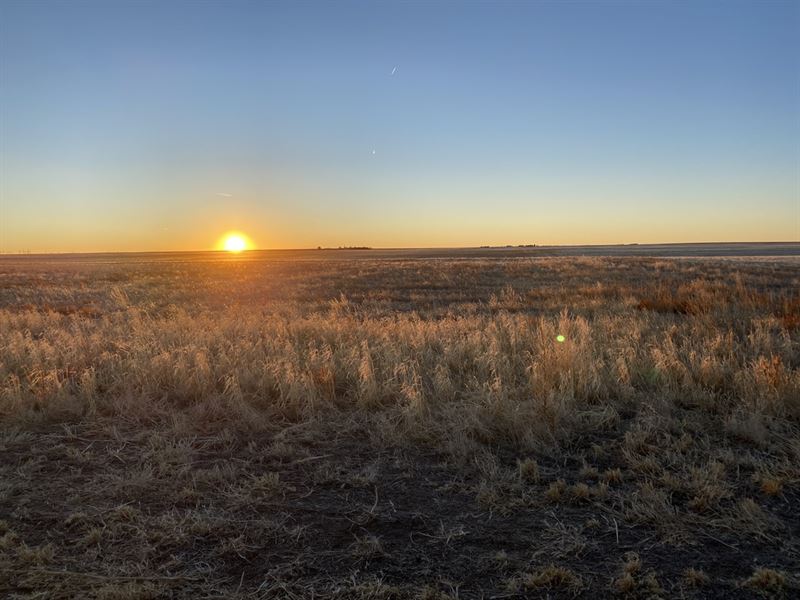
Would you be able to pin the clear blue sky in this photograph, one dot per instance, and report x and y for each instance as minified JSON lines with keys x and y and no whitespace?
{"x":159,"y":125}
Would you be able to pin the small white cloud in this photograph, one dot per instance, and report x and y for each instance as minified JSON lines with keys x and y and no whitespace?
{"x":394,"y":70}
{"x":224,"y":195}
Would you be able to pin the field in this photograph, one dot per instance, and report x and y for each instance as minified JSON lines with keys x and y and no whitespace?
{"x":493,"y":423}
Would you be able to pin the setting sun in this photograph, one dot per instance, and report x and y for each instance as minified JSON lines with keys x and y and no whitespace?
{"x":235,"y":242}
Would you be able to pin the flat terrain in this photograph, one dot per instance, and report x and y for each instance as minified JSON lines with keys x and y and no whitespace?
{"x":755,"y":250}
{"x":482,"y":423}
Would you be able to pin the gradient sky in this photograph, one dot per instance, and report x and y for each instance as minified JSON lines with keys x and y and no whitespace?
{"x":159,"y":125}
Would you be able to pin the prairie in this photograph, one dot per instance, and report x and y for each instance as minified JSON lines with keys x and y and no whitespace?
{"x":370,"y":424}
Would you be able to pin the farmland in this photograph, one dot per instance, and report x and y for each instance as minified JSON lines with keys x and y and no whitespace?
{"x":395,"y":424}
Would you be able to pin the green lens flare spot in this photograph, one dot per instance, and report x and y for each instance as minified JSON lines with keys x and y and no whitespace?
{"x":560,"y":338}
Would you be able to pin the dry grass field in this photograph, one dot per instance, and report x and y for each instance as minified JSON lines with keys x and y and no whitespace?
{"x":356,"y":425}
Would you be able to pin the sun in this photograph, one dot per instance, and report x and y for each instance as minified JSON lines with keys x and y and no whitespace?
{"x":235,"y":242}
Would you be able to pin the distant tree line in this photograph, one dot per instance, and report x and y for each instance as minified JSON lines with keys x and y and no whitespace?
{"x":346,"y":248}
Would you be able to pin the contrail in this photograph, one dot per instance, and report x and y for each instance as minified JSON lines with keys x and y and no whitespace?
{"x":393,"y":70}
{"x":225,"y":194}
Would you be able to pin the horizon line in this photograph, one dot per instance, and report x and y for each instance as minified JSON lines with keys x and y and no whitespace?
{"x":389,"y":248}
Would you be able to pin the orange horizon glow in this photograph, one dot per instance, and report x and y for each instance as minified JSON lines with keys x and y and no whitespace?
{"x":394,"y":227}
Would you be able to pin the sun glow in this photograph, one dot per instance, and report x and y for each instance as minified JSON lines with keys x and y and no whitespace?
{"x":234,"y":241}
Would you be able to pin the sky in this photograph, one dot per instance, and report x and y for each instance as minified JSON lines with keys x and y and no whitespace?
{"x":136,"y":126}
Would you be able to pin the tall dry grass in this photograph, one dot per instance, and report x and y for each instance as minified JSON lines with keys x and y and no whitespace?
{"x":474,"y":363}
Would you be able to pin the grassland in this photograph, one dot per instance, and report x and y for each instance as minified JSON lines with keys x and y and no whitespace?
{"x":325,"y":426}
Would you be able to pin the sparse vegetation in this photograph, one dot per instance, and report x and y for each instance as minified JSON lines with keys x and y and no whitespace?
{"x":766,"y":581}
{"x":362,"y":427}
